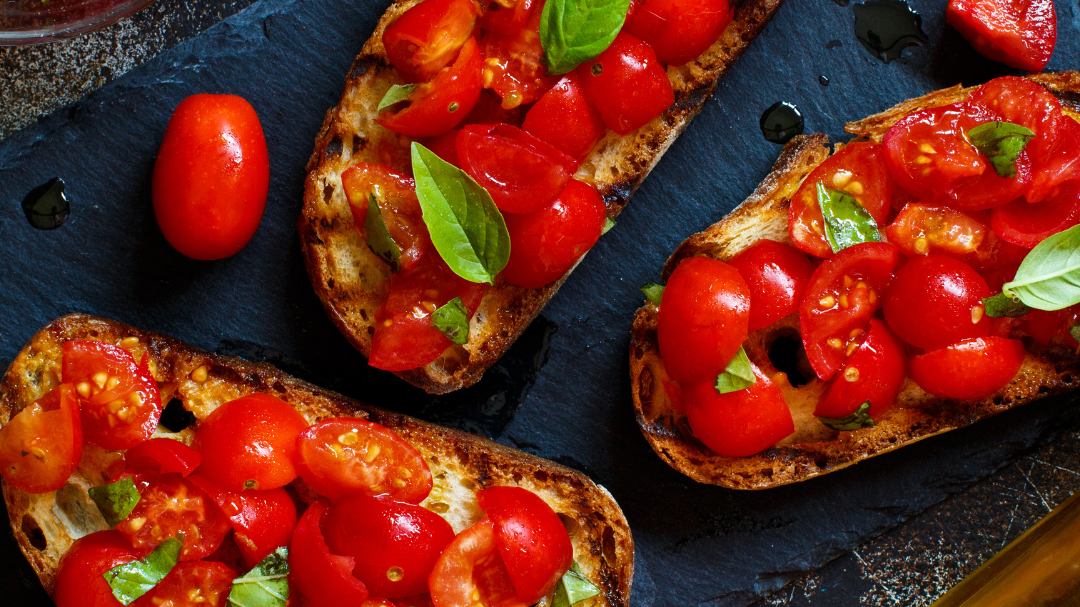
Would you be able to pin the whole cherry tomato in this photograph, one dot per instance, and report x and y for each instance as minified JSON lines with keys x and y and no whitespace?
{"x":936,"y":300}
{"x":470,"y":571}
{"x":80,"y":581}
{"x":874,"y":374}
{"x":1025,"y":224}
{"x":512,"y":63}
{"x":441,"y":104}
{"x":740,"y":423}
{"x":163,"y":456}
{"x":400,"y":210}
{"x":211,"y":176}
{"x":973,"y":368}
{"x":1018,"y":33}
{"x":191,"y":583}
{"x":249,"y":443}
{"x":168,"y":506}
{"x":427,"y":37}
{"x":679,"y":30}
{"x":565,"y":119}
{"x":262,"y":521}
{"x":776,"y":274}
{"x":325,"y":579}
{"x":627,"y":84}
{"x":41,"y":445}
{"x":920,"y":229}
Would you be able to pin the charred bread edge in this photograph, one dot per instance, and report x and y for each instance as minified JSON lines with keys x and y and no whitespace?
{"x":602,"y":539}
{"x":617,"y":166}
{"x":918,"y":415}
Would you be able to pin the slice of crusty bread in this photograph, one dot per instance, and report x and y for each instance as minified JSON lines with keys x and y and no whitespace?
{"x":45,"y":525}
{"x":815,"y":449}
{"x":351,"y":281}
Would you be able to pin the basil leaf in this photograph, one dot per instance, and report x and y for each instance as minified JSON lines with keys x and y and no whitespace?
{"x":738,"y":375}
{"x":608,"y":224}
{"x":115,"y":500}
{"x":846,"y":221}
{"x":1049,"y":277}
{"x":575,"y":31}
{"x":573,"y":587}
{"x":1074,"y":331}
{"x":1002,"y":305}
{"x":266,"y":585}
{"x":453,"y":321}
{"x":1001,"y":143}
{"x":653,"y":292}
{"x":466,"y":227}
{"x":378,"y":237}
{"x":395,"y":95}
{"x":132,"y":580}
{"x":859,"y":419}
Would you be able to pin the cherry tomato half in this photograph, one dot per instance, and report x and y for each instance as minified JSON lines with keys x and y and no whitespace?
{"x":168,"y":506}
{"x":195,"y":583}
{"x":250,"y":443}
{"x":211,"y":176}
{"x":627,"y":84}
{"x":344,"y":456}
{"x":41,"y":445}
{"x":973,"y":368}
{"x":163,"y":456}
{"x":740,"y":423}
{"x":262,"y":521}
{"x":1061,"y":163}
{"x":874,"y":374}
{"x":565,"y":119}
{"x":1021,"y":101}
{"x":1018,"y":33}
{"x":936,"y":300}
{"x":920,"y":229}
{"x":439,"y":105}
{"x":776,"y":274}
{"x":427,"y":37}
{"x":513,"y":66}
{"x":325,"y":579}
{"x":679,"y":30}
{"x":396,"y":196}
{"x":470,"y":571}
{"x":80,"y":581}
{"x":1025,"y":224}
{"x":927,"y":152}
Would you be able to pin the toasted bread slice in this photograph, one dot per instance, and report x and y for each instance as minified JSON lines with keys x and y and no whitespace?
{"x":45,"y":525}
{"x":352,"y":281}
{"x":815,"y":449}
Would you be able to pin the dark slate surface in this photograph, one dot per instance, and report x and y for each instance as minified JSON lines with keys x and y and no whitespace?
{"x":562,"y":391}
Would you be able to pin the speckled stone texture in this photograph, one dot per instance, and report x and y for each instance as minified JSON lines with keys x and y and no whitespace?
{"x":898,"y":529}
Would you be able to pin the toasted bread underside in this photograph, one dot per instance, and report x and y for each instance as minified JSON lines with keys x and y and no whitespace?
{"x":815,"y":449}
{"x":45,"y":525}
{"x":352,"y":281}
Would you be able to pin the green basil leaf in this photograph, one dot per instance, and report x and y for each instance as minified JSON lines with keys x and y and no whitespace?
{"x":395,"y":95}
{"x":738,"y":375}
{"x":115,"y":500}
{"x":378,"y":237}
{"x":1001,"y":143}
{"x":1002,"y":305}
{"x":1074,"y":331}
{"x":452,"y":320}
{"x":573,"y":587}
{"x":846,"y":221}
{"x":575,"y":31}
{"x":608,"y":224}
{"x":859,"y":419}
{"x":653,"y":292}
{"x":266,"y":585}
{"x":1049,"y":277}
{"x":132,"y":580}
{"x":466,"y":227}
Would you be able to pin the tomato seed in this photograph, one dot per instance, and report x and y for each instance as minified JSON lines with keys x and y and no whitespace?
{"x":835,"y":343}
{"x":394,"y":574}
{"x":851,"y":374}
{"x":827,"y":302}
{"x":83,"y":389}
{"x":99,"y":378}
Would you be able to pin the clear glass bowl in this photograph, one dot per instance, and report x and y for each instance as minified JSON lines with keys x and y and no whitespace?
{"x":37,"y":21}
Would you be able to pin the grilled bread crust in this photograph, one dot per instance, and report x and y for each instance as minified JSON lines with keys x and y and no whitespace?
{"x":815,"y":449}
{"x":45,"y":525}
{"x":352,"y":281}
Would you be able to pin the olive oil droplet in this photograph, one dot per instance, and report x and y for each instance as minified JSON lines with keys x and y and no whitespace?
{"x":823,"y":80}
{"x":887,"y":27}
{"x":46,"y":206}
{"x":781,"y":122}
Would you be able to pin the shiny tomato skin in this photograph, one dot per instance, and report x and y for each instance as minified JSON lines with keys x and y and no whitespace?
{"x":776,"y":274}
{"x":262,"y":521}
{"x":1018,"y":33}
{"x":395,"y":194}
{"x":703,"y":319}
{"x":163,"y":455}
{"x":79,"y":582}
{"x":927,"y":152}
{"x":427,"y":37}
{"x":170,"y":505}
{"x":545,"y":244}
{"x":740,"y":423}
{"x":921,"y":228}
{"x":874,"y":373}
{"x":470,"y":566}
{"x":507,"y":19}
{"x":513,"y":63}
{"x":404,"y":338}
{"x":1046,"y":326}
{"x":325,"y":579}
{"x":444,"y":146}
{"x":343,"y":456}
{"x":531,"y":538}
{"x":1025,"y":224}
{"x":973,"y":368}
{"x":194,"y":583}
{"x":439,"y":105}
{"x":50,"y":428}
{"x":395,"y":544}
{"x":250,"y":443}
{"x":211,"y":176}
{"x":1061,"y":163}
{"x":679,"y":30}
{"x":564,"y":118}
{"x":936,"y":300}
{"x":626,"y":84}
{"x":844,"y":292}
{"x":125,"y":408}
{"x":522,"y":173}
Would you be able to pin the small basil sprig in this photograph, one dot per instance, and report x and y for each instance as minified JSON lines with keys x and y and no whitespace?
{"x":575,"y":31}
{"x":395,"y":95}
{"x":859,"y":419}
{"x":266,"y":585}
{"x":378,"y":237}
{"x":846,"y":221}
{"x":132,"y":580}
{"x":466,"y":227}
{"x":608,"y":224}
{"x":738,"y":375}
{"x":115,"y":500}
{"x":1049,"y":277}
{"x":1001,"y":143}
{"x":653,"y":292}
{"x":452,"y":320}
{"x":573,"y":587}
{"x":1002,"y":305}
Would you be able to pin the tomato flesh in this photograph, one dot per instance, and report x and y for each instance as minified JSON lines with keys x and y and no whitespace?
{"x":163,"y":455}
{"x":740,"y":423}
{"x":191,"y":583}
{"x":1018,"y":33}
{"x":564,"y":118}
{"x":1025,"y":224}
{"x":80,"y":581}
{"x":41,"y":445}
{"x":513,"y":66}
{"x":168,"y":506}
{"x":936,"y":300}
{"x":920,"y":229}
{"x":427,"y":37}
{"x":439,"y":105}
{"x":470,"y":571}
{"x":400,"y":210}
{"x":973,"y":368}
{"x":1021,"y":101}
{"x":626,"y":84}
{"x":325,"y":579}
{"x":1061,"y":164}
{"x":874,"y":374}
{"x":776,"y":274}
{"x":679,"y":30}
{"x":262,"y":521}
{"x":927,"y":151}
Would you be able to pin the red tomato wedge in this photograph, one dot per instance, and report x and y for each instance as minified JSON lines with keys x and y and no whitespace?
{"x":627,"y":84}
{"x":740,"y":423}
{"x":325,"y":579}
{"x":1021,"y":101}
{"x":1024,"y":224}
{"x":1061,"y":164}
{"x":395,"y":544}
{"x":513,"y":65}
{"x":564,"y":118}
{"x":168,"y":506}
{"x":439,"y":105}
{"x":920,"y":229}
{"x":874,"y":374}
{"x":400,"y":210}
{"x":470,"y":571}
{"x":163,"y":456}
{"x":507,"y":16}
{"x":262,"y":521}
{"x":844,"y":293}
{"x":973,"y":368}
{"x":777,"y":274}
{"x":80,"y":581}
{"x":41,"y":445}
{"x":345,"y":456}
{"x":1018,"y":33}
{"x":427,"y":37}
{"x":927,"y":152}
{"x":118,"y":398}
{"x":679,"y":30}
{"x":194,"y":583}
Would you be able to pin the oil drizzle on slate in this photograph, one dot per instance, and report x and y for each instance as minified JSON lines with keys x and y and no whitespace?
{"x":887,"y":27}
{"x":46,"y":206}
{"x":823,"y":80}
{"x":781,"y":122}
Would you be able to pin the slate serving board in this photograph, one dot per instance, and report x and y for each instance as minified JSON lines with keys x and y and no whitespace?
{"x":562,"y":391}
